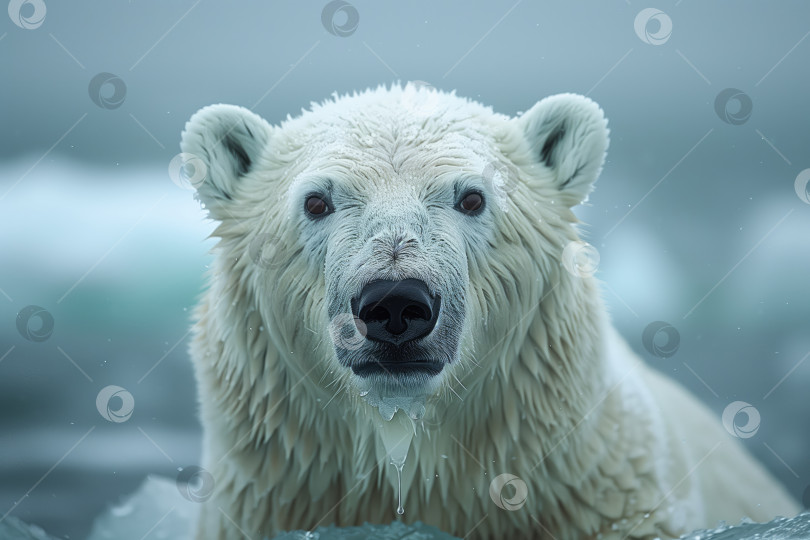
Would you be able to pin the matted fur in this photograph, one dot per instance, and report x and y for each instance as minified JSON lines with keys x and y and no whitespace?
{"x":539,"y":385}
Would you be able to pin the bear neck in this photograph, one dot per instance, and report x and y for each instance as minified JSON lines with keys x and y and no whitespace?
{"x":544,"y":379}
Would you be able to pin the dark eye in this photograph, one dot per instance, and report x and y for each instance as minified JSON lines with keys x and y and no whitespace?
{"x":316,"y":206}
{"x":471,"y":203}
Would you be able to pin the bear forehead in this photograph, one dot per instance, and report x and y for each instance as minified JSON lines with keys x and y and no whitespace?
{"x":399,"y":153}
{"x":396,"y":131}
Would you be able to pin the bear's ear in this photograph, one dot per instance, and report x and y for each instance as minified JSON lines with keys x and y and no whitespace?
{"x":568,"y":134}
{"x":229,"y":140}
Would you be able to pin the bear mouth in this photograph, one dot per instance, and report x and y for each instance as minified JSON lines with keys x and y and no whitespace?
{"x":429,"y":368}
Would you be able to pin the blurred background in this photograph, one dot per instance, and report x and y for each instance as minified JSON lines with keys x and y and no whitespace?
{"x":701,"y":217}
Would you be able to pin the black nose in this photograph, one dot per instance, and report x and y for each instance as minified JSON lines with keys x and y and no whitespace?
{"x":397,"y":311}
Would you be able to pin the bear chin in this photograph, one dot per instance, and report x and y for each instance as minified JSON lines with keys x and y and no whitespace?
{"x":386,"y":384}
{"x":413,"y":369}
{"x":404,"y":370}
{"x":399,"y":378}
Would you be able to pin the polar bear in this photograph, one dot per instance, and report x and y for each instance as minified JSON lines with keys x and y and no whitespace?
{"x":399,"y":252}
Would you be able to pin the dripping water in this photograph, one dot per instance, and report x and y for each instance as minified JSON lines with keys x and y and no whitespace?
{"x":400,"y":509}
{"x":396,"y":435}
{"x":396,"y":427}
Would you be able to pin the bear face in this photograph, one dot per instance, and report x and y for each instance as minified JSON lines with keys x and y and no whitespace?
{"x":379,"y":216}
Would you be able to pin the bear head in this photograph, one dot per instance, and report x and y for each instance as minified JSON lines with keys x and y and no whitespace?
{"x":393,"y":243}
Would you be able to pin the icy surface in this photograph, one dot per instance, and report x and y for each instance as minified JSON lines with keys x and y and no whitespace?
{"x":394,"y":531}
{"x":797,"y":528}
{"x":156,"y":510}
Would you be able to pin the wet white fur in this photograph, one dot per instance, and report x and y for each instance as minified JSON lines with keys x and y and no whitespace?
{"x":540,"y":386}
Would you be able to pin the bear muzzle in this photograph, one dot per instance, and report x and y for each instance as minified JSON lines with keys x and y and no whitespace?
{"x":396,"y":314}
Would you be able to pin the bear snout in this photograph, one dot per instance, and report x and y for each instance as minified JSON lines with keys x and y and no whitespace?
{"x":397,"y":312}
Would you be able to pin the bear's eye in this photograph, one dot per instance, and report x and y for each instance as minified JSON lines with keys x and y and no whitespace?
{"x":316,"y":206}
{"x":471,"y":203}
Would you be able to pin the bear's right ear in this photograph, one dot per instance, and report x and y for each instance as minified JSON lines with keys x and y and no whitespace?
{"x":229,"y":140}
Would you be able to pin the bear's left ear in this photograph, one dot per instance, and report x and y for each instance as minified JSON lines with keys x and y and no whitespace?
{"x":568,"y":134}
{"x":229,"y":140}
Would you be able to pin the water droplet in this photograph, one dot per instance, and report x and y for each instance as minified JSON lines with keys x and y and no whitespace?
{"x":400,"y":509}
